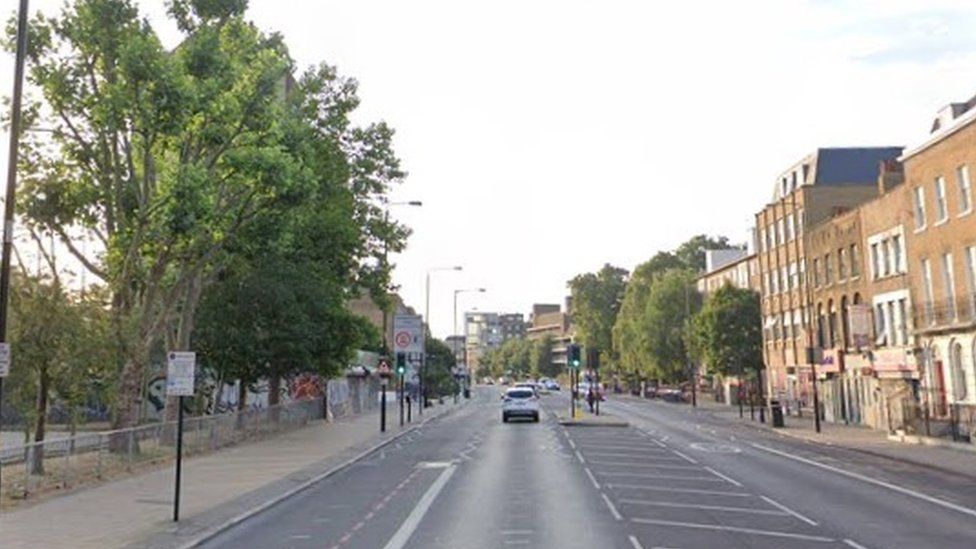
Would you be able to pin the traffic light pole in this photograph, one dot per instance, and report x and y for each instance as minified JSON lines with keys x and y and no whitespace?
{"x":383,"y":406}
{"x":400,"y":398}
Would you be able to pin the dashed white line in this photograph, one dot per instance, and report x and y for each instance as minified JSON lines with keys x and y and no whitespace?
{"x":635,"y":543}
{"x":790,"y":511}
{"x":854,"y":544}
{"x":869,"y":480}
{"x":571,"y":443}
{"x":703,"y":507}
{"x":724,"y":477}
{"x":613,"y":510}
{"x":516,"y":532}
{"x":754,"y":531}
{"x":592,"y":478}
{"x":579,"y":456}
{"x":639,"y":455}
{"x":659,"y":443}
{"x":678,"y":490}
{"x":669,"y":477}
{"x":644,"y":465}
{"x":686,"y":458}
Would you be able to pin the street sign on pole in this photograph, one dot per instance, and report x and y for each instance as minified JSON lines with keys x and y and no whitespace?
{"x":4,"y":359}
{"x":408,"y":334}
{"x":180,"y":371}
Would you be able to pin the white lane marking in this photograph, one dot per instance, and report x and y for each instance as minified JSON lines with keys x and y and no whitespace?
{"x":790,"y":511}
{"x":644,"y":465}
{"x":731,"y":529}
{"x":686,"y":458}
{"x":705,"y":507}
{"x":616,"y":486}
{"x":517,"y":532}
{"x":639,"y":448}
{"x":854,"y":544}
{"x":635,"y":543}
{"x":613,"y":510}
{"x":640,"y":456}
{"x":724,"y":477}
{"x":402,"y":535}
{"x":300,"y":536}
{"x":433,"y":464}
{"x":517,"y":542}
{"x":869,"y":480}
{"x":592,"y":478}
{"x":670,"y":477}
{"x":579,"y":456}
{"x":659,"y":443}
{"x":571,"y":443}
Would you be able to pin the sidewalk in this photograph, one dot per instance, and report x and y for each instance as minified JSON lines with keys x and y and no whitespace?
{"x":218,"y":487}
{"x":860,"y":439}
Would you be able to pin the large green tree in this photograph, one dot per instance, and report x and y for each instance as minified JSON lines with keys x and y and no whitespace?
{"x":541,"y":358}
{"x":438,"y":371}
{"x":597,"y":298}
{"x":167,"y":157}
{"x":671,"y":304}
{"x":728,"y":332}
{"x":692,"y":252}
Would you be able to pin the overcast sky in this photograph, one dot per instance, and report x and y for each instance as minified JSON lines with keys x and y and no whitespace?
{"x":546,"y":138}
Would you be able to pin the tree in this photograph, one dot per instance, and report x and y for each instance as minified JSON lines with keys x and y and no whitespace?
{"x":692,"y":252}
{"x":438,"y":371}
{"x":541,"y":357}
{"x":728,"y":332}
{"x":671,"y":304}
{"x":597,"y":298}
{"x":168,"y":157}
{"x":56,"y":341}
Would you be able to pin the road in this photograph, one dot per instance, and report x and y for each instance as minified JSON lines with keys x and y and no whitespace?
{"x":672,"y":479}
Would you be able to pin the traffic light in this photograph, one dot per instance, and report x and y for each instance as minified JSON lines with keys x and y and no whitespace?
{"x":401,"y":363}
{"x":573,"y":352}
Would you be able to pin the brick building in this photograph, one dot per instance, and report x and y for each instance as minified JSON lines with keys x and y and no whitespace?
{"x":942,"y":266}
{"x":819,"y":186}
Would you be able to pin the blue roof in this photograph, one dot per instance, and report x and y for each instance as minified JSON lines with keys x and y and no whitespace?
{"x":852,"y":166}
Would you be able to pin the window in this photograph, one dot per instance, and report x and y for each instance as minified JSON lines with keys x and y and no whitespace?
{"x":762,"y":239}
{"x":885,"y":257}
{"x":965,"y":190}
{"x":971,"y":279}
{"x":941,"y":208}
{"x":793,"y":276}
{"x":799,"y":221}
{"x":855,"y":261}
{"x":958,"y":375}
{"x":841,"y":264}
{"x":929,"y":305}
{"x":816,"y":273}
{"x":949,"y":281}
{"x":896,"y":254}
{"x":892,"y":326}
{"x":903,"y":320}
{"x":785,"y":280}
{"x":879,"y":324}
{"x":875,"y":261}
{"x":789,"y":228}
{"x":919,"y":199}
{"x":803,"y":271}
{"x":828,"y":271}
{"x":771,"y":232}
{"x":780,"y":236}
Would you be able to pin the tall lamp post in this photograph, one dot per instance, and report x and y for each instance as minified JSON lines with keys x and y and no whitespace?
{"x":423,"y":364}
{"x":386,"y":252}
{"x":465,"y":339}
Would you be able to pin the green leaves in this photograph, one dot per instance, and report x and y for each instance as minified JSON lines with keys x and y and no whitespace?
{"x":728,"y":331}
{"x":597,"y":298}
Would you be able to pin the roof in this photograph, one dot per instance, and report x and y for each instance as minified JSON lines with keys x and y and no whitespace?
{"x":851,"y":166}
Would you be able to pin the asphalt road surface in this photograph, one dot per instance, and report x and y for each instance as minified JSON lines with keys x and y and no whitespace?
{"x":672,"y":480}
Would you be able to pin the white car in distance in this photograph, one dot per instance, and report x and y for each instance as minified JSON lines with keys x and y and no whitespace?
{"x":520,"y":402}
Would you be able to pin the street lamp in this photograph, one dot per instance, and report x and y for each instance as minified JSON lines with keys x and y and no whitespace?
{"x":386,"y":251}
{"x":465,"y":339}
{"x":423,"y":364}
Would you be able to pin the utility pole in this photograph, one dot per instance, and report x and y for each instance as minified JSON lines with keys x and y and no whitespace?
{"x":12,"y":161}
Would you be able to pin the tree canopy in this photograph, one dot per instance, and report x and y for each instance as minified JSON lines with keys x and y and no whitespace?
{"x":728,"y":331}
{"x":597,"y":298}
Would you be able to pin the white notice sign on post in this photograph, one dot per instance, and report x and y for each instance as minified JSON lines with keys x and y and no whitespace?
{"x":4,"y":359}
{"x":180,"y":372}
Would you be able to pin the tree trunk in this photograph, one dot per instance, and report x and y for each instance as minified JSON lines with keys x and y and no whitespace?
{"x":241,"y":403}
{"x":274,"y":397}
{"x":129,"y":403}
{"x":37,"y":460}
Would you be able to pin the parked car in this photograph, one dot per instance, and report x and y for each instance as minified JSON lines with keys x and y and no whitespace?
{"x":520,"y":402}
{"x":552,"y":385}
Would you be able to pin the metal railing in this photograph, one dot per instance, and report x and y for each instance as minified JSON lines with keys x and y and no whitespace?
{"x":936,"y":417}
{"x":945,"y":312}
{"x":62,"y":463}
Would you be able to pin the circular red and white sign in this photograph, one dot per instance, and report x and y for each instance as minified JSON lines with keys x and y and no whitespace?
{"x":403,"y":339}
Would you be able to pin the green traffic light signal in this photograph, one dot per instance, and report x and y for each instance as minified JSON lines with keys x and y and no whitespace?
{"x":401,"y":363}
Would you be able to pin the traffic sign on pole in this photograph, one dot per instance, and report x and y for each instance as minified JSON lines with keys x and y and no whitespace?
{"x":180,"y":372}
{"x":408,"y":333}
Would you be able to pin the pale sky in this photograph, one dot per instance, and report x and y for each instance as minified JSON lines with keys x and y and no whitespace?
{"x":546,"y":138}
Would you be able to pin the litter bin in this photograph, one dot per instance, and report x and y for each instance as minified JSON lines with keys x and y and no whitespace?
{"x":777,"y":410}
